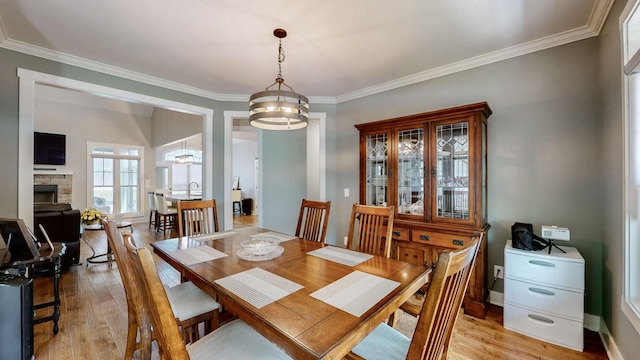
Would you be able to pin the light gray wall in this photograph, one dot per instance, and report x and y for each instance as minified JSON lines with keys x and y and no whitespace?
{"x":168,"y":126}
{"x":626,"y":337}
{"x":555,"y":154}
{"x":244,"y":155}
{"x":85,"y":124}
{"x":284,"y":178}
{"x":544,"y":144}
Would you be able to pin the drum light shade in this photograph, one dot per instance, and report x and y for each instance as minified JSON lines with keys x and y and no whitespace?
{"x":279,"y":109}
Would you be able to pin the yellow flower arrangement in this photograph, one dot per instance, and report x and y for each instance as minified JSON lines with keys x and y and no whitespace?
{"x":90,"y":215}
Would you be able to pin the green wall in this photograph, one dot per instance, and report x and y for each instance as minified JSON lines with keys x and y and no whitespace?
{"x":544,"y":144}
{"x":555,"y":150}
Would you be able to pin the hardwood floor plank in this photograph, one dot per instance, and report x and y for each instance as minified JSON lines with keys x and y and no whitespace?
{"x":93,"y":322}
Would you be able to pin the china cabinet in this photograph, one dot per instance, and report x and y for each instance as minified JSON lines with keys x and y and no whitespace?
{"x":432,"y":168}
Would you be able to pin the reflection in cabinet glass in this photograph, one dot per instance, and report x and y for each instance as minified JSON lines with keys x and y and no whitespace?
{"x":377,"y":170}
{"x":452,"y":170}
{"x":411,"y":171}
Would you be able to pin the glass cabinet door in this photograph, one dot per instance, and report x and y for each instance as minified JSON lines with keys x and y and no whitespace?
{"x":451,"y":171}
{"x":410,"y":172}
{"x":377,"y":169}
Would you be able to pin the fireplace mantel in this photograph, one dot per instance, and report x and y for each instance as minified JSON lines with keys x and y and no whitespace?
{"x":52,"y":172}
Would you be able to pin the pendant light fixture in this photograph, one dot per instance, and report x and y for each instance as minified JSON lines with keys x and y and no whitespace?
{"x":184,"y":159}
{"x":278,"y":108}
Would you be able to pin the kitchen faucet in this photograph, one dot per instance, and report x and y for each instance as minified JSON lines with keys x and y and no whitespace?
{"x":189,"y":187}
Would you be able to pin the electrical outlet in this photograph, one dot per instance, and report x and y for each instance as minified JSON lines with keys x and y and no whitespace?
{"x":345,"y":240}
{"x":498,"y":271}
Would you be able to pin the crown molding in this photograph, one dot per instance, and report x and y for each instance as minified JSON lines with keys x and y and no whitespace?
{"x":597,"y":19}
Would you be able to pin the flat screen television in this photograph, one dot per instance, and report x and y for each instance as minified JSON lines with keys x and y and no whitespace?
{"x":49,"y":149}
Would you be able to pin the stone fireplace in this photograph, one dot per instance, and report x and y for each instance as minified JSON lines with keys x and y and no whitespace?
{"x":52,"y":188}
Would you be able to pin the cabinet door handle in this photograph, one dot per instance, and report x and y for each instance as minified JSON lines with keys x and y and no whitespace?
{"x":541,"y":319}
{"x":424,"y":237}
{"x":541,"y":291}
{"x":395,"y":233}
{"x":458,"y":242}
{"x":542,"y":263}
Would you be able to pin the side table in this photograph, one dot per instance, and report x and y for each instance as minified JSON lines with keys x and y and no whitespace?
{"x":109,"y":254}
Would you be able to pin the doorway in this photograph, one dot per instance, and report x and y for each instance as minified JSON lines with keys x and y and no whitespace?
{"x":29,"y":80}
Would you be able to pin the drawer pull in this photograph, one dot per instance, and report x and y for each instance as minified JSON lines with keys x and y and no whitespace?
{"x":541,"y":291}
{"x":541,"y":263}
{"x":396,"y":233}
{"x":424,"y":237}
{"x":458,"y":242}
{"x":541,"y":319}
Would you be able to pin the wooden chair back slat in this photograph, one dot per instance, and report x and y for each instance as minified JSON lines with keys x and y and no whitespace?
{"x":197,"y":217}
{"x":313,"y":220}
{"x":370,"y":229}
{"x":138,"y":317}
{"x":443,"y":302}
{"x":165,"y":327}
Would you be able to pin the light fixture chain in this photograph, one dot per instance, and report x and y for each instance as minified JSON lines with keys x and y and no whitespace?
{"x":280,"y":61}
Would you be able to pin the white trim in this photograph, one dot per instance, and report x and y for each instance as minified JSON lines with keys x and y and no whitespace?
{"x":228,"y":149}
{"x":116,"y":180}
{"x":496,"y":298}
{"x":630,"y":312}
{"x":630,"y":309}
{"x":28,"y":81}
{"x":596,"y":20}
{"x":609,"y":343}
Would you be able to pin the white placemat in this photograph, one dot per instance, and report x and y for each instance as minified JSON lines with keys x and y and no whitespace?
{"x":341,"y":255}
{"x":259,"y":287}
{"x":282,"y":237}
{"x":356,"y":293}
{"x":208,"y":237}
{"x":196,"y":255}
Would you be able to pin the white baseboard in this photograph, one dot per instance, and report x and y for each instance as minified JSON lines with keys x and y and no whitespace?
{"x":496,"y":298}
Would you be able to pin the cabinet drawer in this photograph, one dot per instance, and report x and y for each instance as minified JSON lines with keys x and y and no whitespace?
{"x":400,"y":233}
{"x":544,"y":327}
{"x":411,"y":254}
{"x":438,"y":239}
{"x":544,"y":270}
{"x":563,"y":303}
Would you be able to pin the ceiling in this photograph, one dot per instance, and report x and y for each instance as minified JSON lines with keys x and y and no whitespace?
{"x":336,"y":50}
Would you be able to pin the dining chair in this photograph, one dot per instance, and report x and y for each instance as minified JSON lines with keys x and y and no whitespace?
{"x":313,"y":220}
{"x":151,"y":198}
{"x":437,"y":317}
{"x":192,"y":305}
{"x":164,"y":214}
{"x":370,"y":229}
{"x":233,"y":340}
{"x":197,"y":217}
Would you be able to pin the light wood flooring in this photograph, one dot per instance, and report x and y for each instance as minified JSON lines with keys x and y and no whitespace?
{"x":93,"y":322}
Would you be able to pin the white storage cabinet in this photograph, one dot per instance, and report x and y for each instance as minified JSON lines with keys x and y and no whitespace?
{"x":544,"y":295}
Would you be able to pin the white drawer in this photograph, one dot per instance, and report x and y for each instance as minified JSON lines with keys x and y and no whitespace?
{"x":544,"y":270}
{"x":553,"y":301}
{"x":547,"y":328}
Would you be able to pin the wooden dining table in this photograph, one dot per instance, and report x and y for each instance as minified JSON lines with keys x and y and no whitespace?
{"x":300,"y":323}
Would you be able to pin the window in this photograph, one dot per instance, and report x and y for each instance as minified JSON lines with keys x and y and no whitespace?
{"x":183,"y":175}
{"x":631,"y":55}
{"x":115,"y":175}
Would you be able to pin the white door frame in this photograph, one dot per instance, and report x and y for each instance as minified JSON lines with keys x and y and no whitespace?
{"x":318,"y":132}
{"x":28,"y":81}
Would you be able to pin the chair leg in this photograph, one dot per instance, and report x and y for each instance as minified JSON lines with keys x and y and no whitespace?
{"x":393,"y":319}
